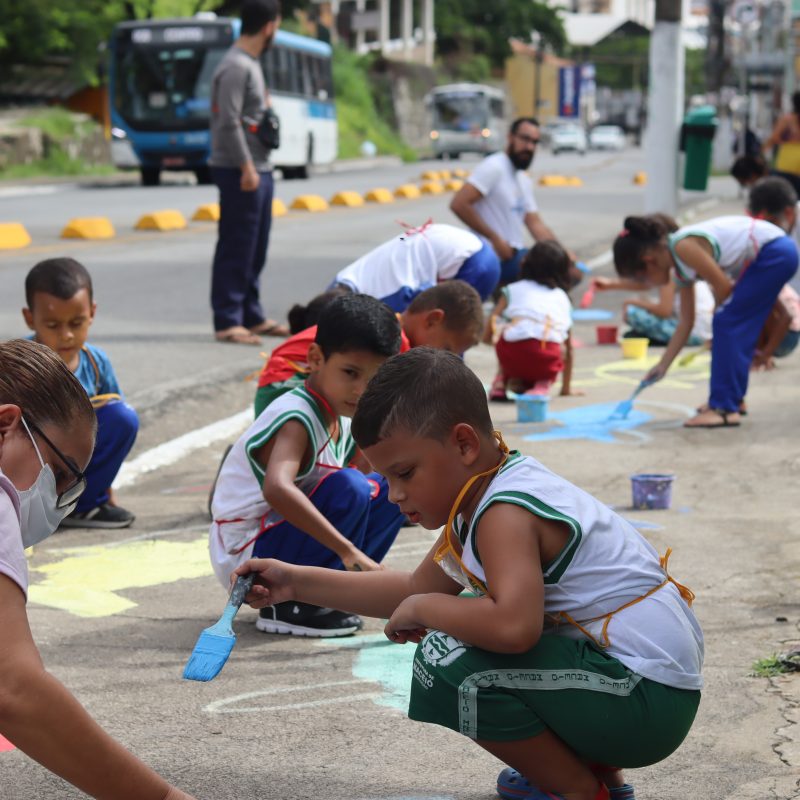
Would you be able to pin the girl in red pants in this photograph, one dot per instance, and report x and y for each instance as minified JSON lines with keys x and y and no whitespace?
{"x":531,"y":325}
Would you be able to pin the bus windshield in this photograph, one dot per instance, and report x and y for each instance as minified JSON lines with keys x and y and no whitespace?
{"x":165,"y":87}
{"x":460,"y":111}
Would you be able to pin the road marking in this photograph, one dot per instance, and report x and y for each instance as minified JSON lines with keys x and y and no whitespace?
{"x":600,"y":261}
{"x":27,"y":191}
{"x":168,"y":453}
{"x":87,"y":581}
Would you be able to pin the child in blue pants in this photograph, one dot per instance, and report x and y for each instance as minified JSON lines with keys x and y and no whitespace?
{"x":60,"y":311}
{"x":286,"y":489}
{"x":745,"y":261}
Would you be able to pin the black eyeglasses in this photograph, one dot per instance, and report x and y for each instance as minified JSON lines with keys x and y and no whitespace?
{"x":75,"y":489}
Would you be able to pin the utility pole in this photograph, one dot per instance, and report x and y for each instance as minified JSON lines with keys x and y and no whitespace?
{"x":665,"y":108}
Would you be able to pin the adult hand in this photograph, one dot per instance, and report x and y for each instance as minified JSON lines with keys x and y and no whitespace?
{"x":356,"y":561}
{"x":403,"y":626}
{"x":250,"y":178}
{"x":273,"y":581}
{"x":503,"y":249}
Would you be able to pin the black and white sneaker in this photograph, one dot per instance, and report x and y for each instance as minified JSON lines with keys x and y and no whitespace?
{"x":303,"y":619}
{"x":105,"y":516}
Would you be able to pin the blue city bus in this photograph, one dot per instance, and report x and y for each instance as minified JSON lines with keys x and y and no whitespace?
{"x":159,"y":91}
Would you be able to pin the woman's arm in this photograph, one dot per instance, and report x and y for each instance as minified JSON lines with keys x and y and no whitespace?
{"x":282,"y":459}
{"x":680,"y":337}
{"x":491,"y":322}
{"x":46,"y":722}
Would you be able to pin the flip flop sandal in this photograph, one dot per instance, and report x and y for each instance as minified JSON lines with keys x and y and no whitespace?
{"x":742,"y":409}
{"x":723,"y":415}
{"x":270,"y":328}
{"x":242,"y":336}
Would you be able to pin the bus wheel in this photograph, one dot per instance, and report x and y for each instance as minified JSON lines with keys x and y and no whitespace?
{"x":203,"y":175}
{"x":151,"y":176}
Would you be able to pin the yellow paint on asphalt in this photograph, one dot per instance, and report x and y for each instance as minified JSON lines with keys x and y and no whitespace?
{"x":87,"y":581}
{"x":168,"y":219}
{"x":640,"y":178}
{"x":552,"y":180}
{"x":13,"y":236}
{"x":208,"y":212}
{"x":89,"y":228}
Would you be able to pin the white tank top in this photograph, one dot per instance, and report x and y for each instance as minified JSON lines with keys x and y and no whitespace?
{"x":735,"y":242}
{"x":604,"y":565}
{"x":239,"y":509}
{"x":536,"y":312}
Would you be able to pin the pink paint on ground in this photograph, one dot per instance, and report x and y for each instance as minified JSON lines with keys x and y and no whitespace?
{"x":5,"y":745}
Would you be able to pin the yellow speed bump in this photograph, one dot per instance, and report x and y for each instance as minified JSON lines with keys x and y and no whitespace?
{"x":432,"y":187}
{"x":347,"y":199}
{"x":461,"y":173}
{"x":408,"y":191}
{"x":207,"y":213}
{"x":430,"y":175}
{"x":168,"y":219}
{"x":279,"y":208}
{"x":574,"y":181}
{"x":552,"y":180}
{"x":453,"y":185}
{"x":640,"y":178}
{"x":379,"y":196}
{"x":310,"y":202}
{"x":89,"y":228}
{"x":13,"y":236}
{"x":445,"y":174}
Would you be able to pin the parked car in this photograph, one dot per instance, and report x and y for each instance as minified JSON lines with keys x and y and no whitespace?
{"x":607,"y":137}
{"x":568,"y":136}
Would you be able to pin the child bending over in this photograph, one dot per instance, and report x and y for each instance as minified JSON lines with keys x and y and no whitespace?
{"x":285,"y":489}
{"x":534,"y":344}
{"x":60,"y":311}
{"x":572,"y":654}
{"x":47,"y":429}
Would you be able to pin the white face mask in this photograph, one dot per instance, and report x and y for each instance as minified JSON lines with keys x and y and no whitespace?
{"x":39,"y":517}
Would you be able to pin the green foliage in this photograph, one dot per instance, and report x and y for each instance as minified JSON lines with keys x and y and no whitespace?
{"x":57,"y":163}
{"x":356,"y":112}
{"x":467,"y":27}
{"x":477,"y":69}
{"x":768,"y":667}
{"x":57,"y":123}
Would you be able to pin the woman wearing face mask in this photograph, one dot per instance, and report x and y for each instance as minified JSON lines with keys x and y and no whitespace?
{"x":47,"y":428}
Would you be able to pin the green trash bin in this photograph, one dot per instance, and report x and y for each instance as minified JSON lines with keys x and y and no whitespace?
{"x":697,"y":135}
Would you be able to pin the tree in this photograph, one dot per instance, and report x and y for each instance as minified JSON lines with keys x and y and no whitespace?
{"x":468,"y":27}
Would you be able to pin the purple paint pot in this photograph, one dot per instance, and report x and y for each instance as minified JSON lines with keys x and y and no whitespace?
{"x":652,"y":490}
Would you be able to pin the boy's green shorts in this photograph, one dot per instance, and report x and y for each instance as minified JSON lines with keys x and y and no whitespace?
{"x":604,"y":712}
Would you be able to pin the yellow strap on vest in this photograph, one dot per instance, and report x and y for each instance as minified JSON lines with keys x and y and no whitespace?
{"x":100,"y":400}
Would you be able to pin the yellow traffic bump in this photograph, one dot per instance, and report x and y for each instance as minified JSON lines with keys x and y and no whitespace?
{"x":640,"y":178}
{"x":445,"y":174}
{"x":574,"y":181}
{"x":453,"y":185}
{"x":89,"y":228}
{"x":430,"y":175}
{"x":168,"y":219}
{"x":379,"y":196}
{"x":13,"y":236}
{"x":408,"y":191}
{"x":347,"y":199}
{"x":207,"y":213}
{"x":432,"y":187}
{"x":461,"y":173}
{"x":552,"y":180}
{"x":279,"y":208}
{"x":310,"y":202}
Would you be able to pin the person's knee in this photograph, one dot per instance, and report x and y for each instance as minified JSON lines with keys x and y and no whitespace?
{"x":121,"y":416}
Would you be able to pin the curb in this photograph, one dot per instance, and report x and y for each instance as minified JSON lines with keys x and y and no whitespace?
{"x":168,"y":219}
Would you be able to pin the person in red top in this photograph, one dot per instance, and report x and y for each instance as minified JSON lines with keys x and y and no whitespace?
{"x":448,"y":316}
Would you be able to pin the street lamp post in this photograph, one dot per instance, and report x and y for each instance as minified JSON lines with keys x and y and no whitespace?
{"x":536,"y":41}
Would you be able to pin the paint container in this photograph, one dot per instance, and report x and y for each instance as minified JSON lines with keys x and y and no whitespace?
{"x":634,"y":348}
{"x":652,"y":490}
{"x":606,"y":334}
{"x":532,"y":407}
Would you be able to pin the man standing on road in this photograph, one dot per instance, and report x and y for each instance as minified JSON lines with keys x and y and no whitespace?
{"x":240,"y":168}
{"x":497,"y":200}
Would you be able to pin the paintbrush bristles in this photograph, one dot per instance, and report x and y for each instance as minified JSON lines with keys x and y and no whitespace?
{"x":209,"y":656}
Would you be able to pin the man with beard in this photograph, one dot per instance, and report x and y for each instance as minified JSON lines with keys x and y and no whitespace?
{"x":498,"y":200}
{"x":241,"y":170}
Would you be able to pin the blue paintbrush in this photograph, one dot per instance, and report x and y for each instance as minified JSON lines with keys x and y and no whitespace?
{"x":624,"y":408}
{"x":215,"y":643}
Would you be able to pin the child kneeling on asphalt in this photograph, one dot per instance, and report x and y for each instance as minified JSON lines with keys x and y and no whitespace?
{"x":285,"y":489}
{"x":573,"y":653}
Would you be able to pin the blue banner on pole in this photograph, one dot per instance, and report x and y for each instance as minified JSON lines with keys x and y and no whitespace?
{"x":569,"y":91}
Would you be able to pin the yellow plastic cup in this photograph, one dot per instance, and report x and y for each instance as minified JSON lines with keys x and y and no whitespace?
{"x":634,"y":348}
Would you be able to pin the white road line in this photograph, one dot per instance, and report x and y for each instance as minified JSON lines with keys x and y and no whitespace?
{"x":600,"y":261}
{"x":26,"y":191}
{"x":168,"y":453}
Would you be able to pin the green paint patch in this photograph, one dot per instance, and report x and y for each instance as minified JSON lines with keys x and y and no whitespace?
{"x":87,"y":581}
{"x":769,"y":667}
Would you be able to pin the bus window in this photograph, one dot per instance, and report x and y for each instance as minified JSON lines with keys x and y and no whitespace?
{"x":496,"y":107}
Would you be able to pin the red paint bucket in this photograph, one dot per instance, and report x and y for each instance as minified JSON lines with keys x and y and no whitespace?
{"x":607,"y":334}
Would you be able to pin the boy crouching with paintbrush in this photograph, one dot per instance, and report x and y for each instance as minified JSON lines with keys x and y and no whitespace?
{"x":573,"y":654}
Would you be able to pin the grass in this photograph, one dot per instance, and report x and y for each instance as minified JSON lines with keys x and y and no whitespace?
{"x":57,"y":123}
{"x":768,"y":667}
{"x":358,"y":117}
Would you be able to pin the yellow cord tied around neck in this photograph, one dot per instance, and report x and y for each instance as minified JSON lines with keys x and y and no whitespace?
{"x":448,"y":554}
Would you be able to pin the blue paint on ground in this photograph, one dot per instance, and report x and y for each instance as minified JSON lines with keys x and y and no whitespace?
{"x":591,"y":314}
{"x":589,"y":422}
